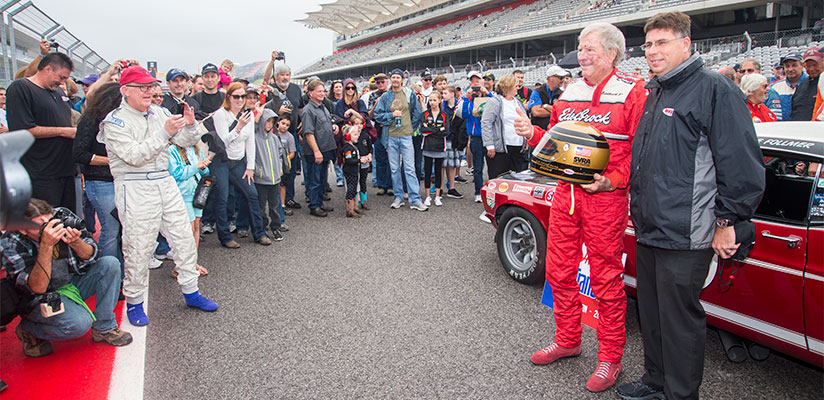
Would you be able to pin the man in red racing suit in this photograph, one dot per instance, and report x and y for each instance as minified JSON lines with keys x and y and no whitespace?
{"x":596,"y":217}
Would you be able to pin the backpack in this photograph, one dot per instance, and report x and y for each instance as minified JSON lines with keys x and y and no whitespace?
{"x":12,"y":302}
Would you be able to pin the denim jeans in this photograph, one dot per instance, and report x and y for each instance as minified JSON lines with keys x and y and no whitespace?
{"x":338,"y":174}
{"x":402,"y":164}
{"x":476,"y":146}
{"x":88,"y":213}
{"x":102,"y":278}
{"x":231,"y":173}
{"x":381,"y":172}
{"x":316,"y":176}
{"x":101,"y":197}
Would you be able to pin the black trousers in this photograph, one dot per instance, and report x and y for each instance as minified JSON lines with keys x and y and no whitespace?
{"x":58,"y":192}
{"x":673,"y":322}
{"x":427,"y":167}
{"x":512,"y":160}
{"x":363,"y":173}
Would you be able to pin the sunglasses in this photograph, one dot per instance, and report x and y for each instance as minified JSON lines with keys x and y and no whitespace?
{"x":237,"y":96}
{"x":748,"y":70}
{"x":350,"y":88}
{"x":427,"y":79}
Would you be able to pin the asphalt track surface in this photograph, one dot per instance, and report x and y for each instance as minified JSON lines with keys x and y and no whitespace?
{"x":398,"y":304}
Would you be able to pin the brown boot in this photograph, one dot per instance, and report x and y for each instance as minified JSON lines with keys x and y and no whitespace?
{"x":350,"y":209}
{"x":356,"y":207}
{"x":364,"y":206}
{"x":32,"y":346}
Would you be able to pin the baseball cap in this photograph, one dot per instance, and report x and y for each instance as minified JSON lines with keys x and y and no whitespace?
{"x":381,"y":76}
{"x":136,"y":74}
{"x":426,"y":75}
{"x":489,"y":76}
{"x":396,"y":71}
{"x":556,"y":71}
{"x":89,"y":79}
{"x":473,"y":73}
{"x":251,"y":89}
{"x":209,"y":68}
{"x":791,"y":56}
{"x":174,"y":73}
{"x":813,"y":54}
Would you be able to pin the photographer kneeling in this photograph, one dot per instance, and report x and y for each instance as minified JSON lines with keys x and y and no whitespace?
{"x":55,"y":265}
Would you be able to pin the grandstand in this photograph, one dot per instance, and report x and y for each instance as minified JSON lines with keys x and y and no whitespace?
{"x":454,"y":36}
{"x":23,"y":25}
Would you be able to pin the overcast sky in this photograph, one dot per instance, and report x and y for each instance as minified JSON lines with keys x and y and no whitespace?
{"x":189,"y":33}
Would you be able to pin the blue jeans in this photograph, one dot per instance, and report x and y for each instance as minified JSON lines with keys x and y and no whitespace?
{"x":102,"y":278}
{"x":231,"y":173}
{"x":476,"y":146}
{"x":402,"y":164}
{"x":101,"y":197}
{"x":88,"y":213}
{"x":339,"y":174}
{"x":316,"y":176}
{"x":381,"y":172}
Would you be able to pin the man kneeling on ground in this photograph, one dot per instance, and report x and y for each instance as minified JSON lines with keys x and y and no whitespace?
{"x":57,"y":267}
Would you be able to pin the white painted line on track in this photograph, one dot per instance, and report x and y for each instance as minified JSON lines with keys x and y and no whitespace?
{"x":129,"y":361}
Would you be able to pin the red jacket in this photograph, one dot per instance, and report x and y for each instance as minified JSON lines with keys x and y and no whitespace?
{"x":760,"y":113}
{"x":614,"y":107}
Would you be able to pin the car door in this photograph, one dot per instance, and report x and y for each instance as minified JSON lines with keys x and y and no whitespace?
{"x":761,"y":298}
{"x":814,"y":274}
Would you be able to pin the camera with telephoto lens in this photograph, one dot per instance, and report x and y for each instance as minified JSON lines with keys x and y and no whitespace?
{"x":68,"y":219}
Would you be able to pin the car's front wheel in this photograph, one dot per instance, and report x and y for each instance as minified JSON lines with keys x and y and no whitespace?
{"x":521,"y":241}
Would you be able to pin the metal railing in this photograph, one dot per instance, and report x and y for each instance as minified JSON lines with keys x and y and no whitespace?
{"x":27,"y":24}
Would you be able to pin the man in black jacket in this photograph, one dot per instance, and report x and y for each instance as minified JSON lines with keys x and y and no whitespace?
{"x":696,"y":171}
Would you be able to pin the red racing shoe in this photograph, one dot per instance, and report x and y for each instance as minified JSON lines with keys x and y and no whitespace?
{"x":604,"y":376}
{"x":549,"y":354}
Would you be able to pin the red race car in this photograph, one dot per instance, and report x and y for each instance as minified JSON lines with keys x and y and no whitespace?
{"x":774,"y":298}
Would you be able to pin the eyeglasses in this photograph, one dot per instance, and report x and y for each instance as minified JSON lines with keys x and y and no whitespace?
{"x":748,"y":71}
{"x":142,"y":88}
{"x":658,"y":43}
{"x":350,"y":88}
{"x":237,"y":96}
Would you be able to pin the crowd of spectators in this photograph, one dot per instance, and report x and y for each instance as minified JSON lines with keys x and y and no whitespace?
{"x":242,"y":148}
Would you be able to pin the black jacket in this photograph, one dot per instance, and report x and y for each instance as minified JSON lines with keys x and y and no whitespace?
{"x":695,"y":157}
{"x":85,"y":146}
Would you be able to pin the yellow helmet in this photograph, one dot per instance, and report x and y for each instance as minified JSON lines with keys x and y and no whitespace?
{"x":571,"y":151}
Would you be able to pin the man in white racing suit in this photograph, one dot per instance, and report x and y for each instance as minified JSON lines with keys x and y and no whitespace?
{"x":137,"y":136}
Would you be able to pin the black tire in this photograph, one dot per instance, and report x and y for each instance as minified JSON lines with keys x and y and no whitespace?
{"x":521,"y":241}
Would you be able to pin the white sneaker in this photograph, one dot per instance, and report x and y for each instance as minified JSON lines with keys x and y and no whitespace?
{"x":428,"y":201}
{"x":477,"y":198}
{"x":154,"y":263}
{"x":438,"y":201}
{"x":398,"y":203}
{"x":419,"y":206}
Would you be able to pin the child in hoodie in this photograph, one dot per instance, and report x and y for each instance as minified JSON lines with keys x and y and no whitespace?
{"x":268,"y":170}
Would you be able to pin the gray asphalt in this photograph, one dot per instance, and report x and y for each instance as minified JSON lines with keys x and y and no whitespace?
{"x":397,"y":304}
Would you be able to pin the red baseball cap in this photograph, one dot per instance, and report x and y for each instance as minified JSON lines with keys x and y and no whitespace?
{"x":813,"y":54}
{"x":136,"y":74}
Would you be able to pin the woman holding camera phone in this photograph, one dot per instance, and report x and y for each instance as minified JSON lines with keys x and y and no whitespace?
{"x":233,"y":126}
